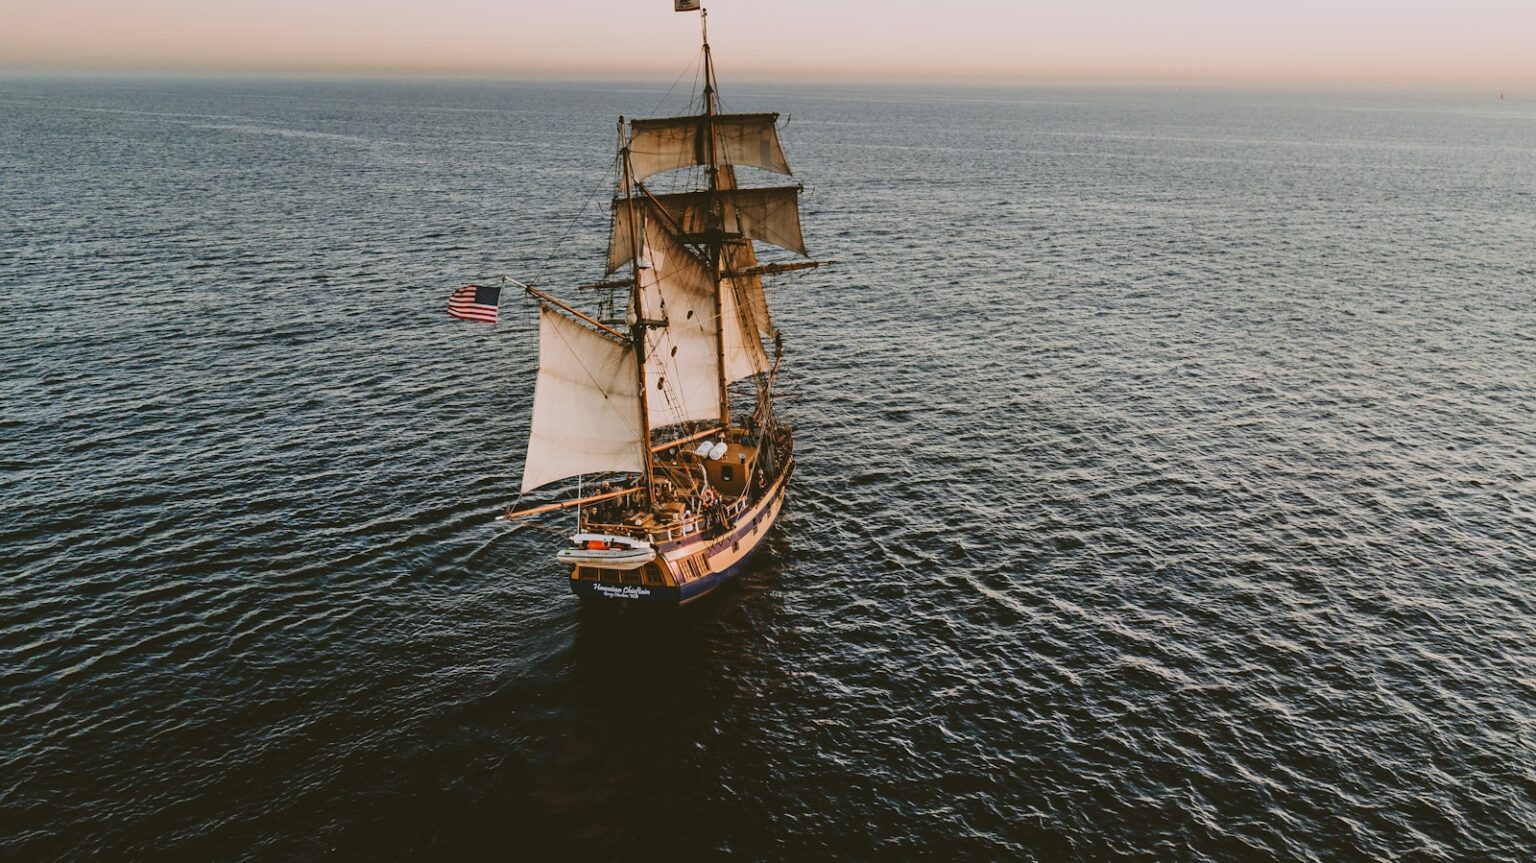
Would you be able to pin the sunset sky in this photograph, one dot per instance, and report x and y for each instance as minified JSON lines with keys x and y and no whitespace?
{"x":1373,"y":42}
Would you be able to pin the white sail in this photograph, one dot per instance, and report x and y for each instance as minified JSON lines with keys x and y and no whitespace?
{"x":770,"y":215}
{"x":586,"y":405}
{"x":623,"y":233}
{"x":679,"y":142}
{"x":757,"y":213}
{"x":681,"y":377}
{"x":749,"y":291}
{"x":744,"y":356}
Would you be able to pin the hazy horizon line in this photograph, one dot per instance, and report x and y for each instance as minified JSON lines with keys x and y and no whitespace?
{"x":1074,"y":78}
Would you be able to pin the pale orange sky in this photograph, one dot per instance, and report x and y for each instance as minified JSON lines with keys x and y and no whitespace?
{"x":1449,"y":43}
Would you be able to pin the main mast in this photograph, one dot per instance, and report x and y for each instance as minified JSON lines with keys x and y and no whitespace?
{"x":714,"y":228}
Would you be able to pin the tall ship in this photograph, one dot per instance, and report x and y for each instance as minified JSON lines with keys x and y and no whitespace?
{"x":684,"y":474}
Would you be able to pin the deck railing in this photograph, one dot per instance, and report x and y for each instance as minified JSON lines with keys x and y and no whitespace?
{"x":673,"y":530}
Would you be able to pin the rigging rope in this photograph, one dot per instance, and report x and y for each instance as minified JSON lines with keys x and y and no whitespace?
{"x":697,"y":61}
{"x":574,"y":219}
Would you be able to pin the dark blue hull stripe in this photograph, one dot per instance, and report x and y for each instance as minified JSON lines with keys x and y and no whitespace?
{"x":661,"y":595}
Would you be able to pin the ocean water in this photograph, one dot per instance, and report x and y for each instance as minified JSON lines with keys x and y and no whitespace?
{"x":1166,"y":475}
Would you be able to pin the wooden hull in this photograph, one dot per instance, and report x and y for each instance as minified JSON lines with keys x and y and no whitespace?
{"x":691,"y":567}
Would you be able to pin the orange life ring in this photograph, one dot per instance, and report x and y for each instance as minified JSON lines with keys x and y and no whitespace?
{"x":709,"y":497}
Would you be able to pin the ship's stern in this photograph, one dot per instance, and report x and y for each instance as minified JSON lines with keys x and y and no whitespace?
{"x":646,"y":585}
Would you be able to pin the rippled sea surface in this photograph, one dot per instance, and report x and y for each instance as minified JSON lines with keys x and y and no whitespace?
{"x":1166,"y":476}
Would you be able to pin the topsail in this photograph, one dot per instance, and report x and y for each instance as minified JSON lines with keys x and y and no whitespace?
{"x":681,"y":142}
{"x":770,"y":215}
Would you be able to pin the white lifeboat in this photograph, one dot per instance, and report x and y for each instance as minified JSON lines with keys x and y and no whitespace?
{"x":606,"y":551}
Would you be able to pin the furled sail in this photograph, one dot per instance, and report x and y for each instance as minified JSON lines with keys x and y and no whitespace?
{"x":679,"y":142}
{"x":770,"y":215}
{"x":586,"y":405}
{"x":681,"y":377}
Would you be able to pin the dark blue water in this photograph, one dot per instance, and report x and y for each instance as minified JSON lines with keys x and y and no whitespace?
{"x":1167,"y":466}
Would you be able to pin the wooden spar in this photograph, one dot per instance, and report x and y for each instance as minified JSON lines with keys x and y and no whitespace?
{"x":689,"y":439}
{"x":567,"y":504}
{"x":770,"y":269}
{"x":610,"y":283}
{"x":565,"y":308}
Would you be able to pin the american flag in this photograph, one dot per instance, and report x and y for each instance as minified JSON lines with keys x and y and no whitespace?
{"x":475,"y":303}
